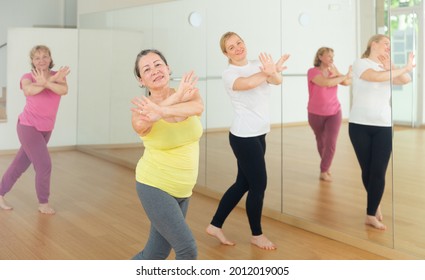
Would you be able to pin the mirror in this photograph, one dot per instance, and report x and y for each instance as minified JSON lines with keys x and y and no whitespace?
{"x":294,"y":193}
{"x":340,"y":205}
{"x":406,"y":20}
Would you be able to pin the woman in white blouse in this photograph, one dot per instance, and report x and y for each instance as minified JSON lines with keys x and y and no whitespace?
{"x":370,"y":124}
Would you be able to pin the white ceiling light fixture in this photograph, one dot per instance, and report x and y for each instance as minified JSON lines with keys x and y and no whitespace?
{"x":195,"y":19}
{"x":304,"y":19}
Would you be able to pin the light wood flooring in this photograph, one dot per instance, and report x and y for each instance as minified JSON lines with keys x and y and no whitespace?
{"x":294,"y":188}
{"x":99,"y":217}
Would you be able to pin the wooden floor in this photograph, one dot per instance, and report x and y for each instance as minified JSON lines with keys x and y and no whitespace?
{"x":99,"y":217}
{"x":294,"y":189}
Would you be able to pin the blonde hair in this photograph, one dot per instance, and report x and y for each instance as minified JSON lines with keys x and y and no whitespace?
{"x":224,"y":39}
{"x":375,"y":38}
{"x":320,"y":52}
{"x":39,"y":48}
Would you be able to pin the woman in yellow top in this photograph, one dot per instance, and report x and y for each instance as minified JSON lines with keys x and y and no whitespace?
{"x":168,"y":123}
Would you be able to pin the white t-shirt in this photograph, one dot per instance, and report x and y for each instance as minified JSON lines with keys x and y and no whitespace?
{"x":371,"y":100}
{"x":251,"y":107}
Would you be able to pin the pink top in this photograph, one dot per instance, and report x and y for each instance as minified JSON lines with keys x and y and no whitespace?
{"x":322,"y":101}
{"x":40,"y":110}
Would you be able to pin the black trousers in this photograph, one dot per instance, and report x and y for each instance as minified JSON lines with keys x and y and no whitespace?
{"x":251,"y":178}
{"x":373,"y":147}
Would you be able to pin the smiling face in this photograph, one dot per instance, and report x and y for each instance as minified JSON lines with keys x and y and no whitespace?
{"x":235,"y":50}
{"x":153,"y":71}
{"x":41,"y":59}
{"x":327,"y":58}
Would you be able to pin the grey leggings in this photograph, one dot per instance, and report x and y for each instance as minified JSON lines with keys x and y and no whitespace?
{"x":168,"y":226}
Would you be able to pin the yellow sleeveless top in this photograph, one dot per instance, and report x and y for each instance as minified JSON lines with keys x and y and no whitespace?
{"x":171,"y":158}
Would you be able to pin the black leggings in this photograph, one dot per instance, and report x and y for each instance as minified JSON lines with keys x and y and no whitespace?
{"x":373,"y":145}
{"x":251,"y":178}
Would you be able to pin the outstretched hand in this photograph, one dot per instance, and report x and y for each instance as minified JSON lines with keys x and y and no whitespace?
{"x":39,"y":77}
{"x":60,"y":75}
{"x":187,"y":87}
{"x":350,"y":72}
{"x":279,"y":64}
{"x":268,"y":67}
{"x":148,"y":110}
{"x":411,"y":62}
{"x":385,"y":60}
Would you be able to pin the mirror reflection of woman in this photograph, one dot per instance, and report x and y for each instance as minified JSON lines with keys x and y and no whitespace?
{"x":43,"y":89}
{"x":247,"y":84}
{"x":324,"y":109}
{"x":370,"y":124}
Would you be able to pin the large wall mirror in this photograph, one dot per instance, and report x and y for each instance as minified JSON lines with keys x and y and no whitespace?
{"x":110,"y":41}
{"x":407,"y":35}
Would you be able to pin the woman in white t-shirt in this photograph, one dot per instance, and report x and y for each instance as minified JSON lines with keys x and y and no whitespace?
{"x":247,"y":84}
{"x":370,"y":124}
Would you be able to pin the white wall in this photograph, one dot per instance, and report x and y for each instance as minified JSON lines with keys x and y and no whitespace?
{"x":277,"y":35}
{"x":271,"y":28}
{"x":64,"y":48}
{"x":94,"y":6}
{"x":107,"y":85}
{"x":30,"y":13}
{"x":327,"y":27}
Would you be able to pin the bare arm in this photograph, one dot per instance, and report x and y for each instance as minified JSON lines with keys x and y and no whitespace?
{"x":406,"y":78}
{"x":141,"y":125}
{"x":184,"y":91}
{"x":192,"y":107}
{"x":247,"y":83}
{"x":371,"y":75}
{"x":274,"y":73}
{"x":322,"y":81}
{"x":55,"y":83}
{"x":399,"y":76}
{"x":147,"y":112}
{"x":270,"y":72}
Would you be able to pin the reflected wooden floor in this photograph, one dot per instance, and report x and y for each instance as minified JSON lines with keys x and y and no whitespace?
{"x":294,"y":187}
{"x":340,"y":204}
{"x":100,"y":217}
{"x":409,"y":191}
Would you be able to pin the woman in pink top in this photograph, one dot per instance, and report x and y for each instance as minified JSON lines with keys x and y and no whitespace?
{"x":43,"y":89}
{"x":324,"y":109}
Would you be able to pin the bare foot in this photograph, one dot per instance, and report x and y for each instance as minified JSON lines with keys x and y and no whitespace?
{"x":218,"y":233}
{"x":374,"y":222}
{"x":46,"y":209}
{"x":3,"y":204}
{"x":326,"y":176}
{"x":378,"y":214}
{"x":263,"y":242}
